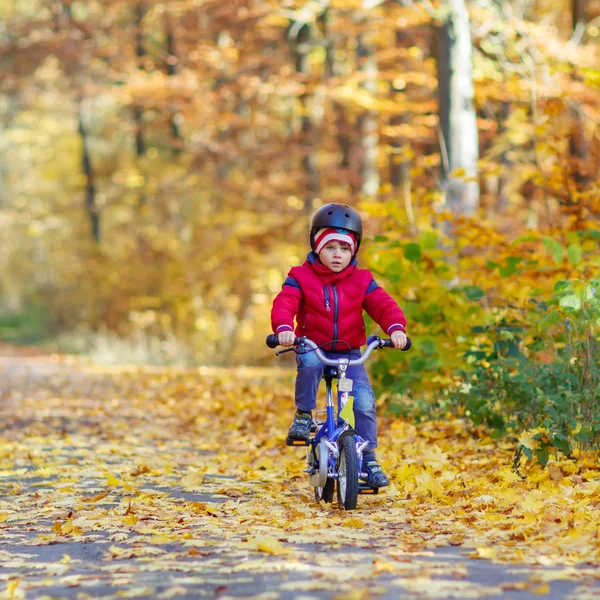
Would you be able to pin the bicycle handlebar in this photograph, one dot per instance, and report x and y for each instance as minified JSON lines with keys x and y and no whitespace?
{"x":373,"y":342}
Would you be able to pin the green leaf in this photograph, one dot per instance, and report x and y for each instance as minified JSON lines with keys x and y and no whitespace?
{"x":429,"y":240}
{"x":561,"y":286}
{"x":572,"y":301}
{"x":508,"y":270}
{"x":524,"y":238}
{"x":473,"y":292}
{"x":412,"y":252}
{"x":575,"y":254}
{"x":511,"y":267}
{"x":542,"y":455}
{"x":556,"y":249}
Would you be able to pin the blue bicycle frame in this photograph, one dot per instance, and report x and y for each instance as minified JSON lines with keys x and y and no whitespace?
{"x":332,"y":430}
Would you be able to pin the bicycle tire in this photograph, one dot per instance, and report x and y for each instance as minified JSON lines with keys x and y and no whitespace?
{"x":347,"y":483}
{"x":326,"y":492}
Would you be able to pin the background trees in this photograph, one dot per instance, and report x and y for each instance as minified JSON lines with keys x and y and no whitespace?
{"x":160,"y":159}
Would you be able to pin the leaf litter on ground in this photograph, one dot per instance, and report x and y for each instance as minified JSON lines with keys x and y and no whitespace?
{"x":186,"y":471}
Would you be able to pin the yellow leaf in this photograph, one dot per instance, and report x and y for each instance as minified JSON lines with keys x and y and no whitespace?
{"x":68,"y":526}
{"x":354,"y":523}
{"x":97,"y":497}
{"x":11,"y":587}
{"x":555,"y":471}
{"x":544,"y":588}
{"x":112,"y":481}
{"x":405,"y":472}
{"x":526,"y":440}
{"x":131,"y":519}
{"x":162,"y":539}
{"x":270,"y":546}
{"x":508,"y":475}
{"x":486,"y":553}
{"x":381,"y":566}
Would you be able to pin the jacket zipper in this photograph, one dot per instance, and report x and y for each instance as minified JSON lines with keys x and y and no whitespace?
{"x":326,"y":292}
{"x":335,"y":314}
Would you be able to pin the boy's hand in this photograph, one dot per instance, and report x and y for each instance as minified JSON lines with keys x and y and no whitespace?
{"x":286,"y":338}
{"x":398,"y":339}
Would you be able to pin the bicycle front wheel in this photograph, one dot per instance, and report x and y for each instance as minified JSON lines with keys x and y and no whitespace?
{"x":347,"y":483}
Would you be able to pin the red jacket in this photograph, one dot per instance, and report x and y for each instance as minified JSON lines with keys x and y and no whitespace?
{"x":328,"y":306}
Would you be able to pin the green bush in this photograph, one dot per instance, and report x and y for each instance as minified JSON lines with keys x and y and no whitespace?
{"x":539,"y":372}
{"x":32,"y":325}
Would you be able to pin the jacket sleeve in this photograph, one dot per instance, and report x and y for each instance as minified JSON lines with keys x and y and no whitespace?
{"x":383,"y":309}
{"x":286,"y":305}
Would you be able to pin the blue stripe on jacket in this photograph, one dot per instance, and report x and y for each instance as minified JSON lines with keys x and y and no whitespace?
{"x":292,"y":283}
{"x":372,"y":286}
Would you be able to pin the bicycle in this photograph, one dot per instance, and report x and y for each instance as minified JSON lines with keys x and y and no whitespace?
{"x":335,"y":451}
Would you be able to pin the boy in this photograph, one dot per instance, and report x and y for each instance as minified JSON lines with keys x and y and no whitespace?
{"x":326,"y":295}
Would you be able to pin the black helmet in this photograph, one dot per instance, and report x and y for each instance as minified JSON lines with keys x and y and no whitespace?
{"x":340,"y":216}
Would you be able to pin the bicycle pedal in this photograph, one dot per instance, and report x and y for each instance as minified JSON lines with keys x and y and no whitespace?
{"x":291,"y":442}
{"x":363,"y":488}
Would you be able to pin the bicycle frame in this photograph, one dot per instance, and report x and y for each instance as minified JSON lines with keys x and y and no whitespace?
{"x":330,"y":430}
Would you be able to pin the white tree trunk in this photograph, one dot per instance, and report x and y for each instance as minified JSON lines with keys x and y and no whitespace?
{"x":370,"y":132}
{"x":462,"y":144}
{"x":369,"y":126}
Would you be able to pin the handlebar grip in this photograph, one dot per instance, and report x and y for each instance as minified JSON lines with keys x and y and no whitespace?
{"x":388,"y":343}
{"x":272,"y":341}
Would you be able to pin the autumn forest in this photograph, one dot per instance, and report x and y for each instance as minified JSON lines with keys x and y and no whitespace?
{"x":161,"y":160}
{"x":159,"y":166}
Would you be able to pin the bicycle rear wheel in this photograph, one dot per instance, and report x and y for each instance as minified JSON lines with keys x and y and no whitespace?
{"x":347,"y":484}
{"x":325,"y":493}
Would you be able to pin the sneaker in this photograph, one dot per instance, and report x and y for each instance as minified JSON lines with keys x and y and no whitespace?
{"x":376,"y":478}
{"x":300,"y":429}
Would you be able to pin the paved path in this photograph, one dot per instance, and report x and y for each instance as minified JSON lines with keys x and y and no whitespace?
{"x":38,"y":559}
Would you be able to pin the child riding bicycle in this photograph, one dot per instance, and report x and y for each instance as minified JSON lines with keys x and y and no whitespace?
{"x":326,"y":296}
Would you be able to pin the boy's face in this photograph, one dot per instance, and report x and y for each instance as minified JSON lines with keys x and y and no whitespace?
{"x":336,"y":255}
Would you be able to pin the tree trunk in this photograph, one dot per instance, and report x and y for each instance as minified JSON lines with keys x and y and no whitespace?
{"x":61,"y":14}
{"x":399,"y":160}
{"x":343,"y":129}
{"x":90,"y":186}
{"x":459,"y":144}
{"x":579,"y":10}
{"x":309,"y":159}
{"x":171,"y":68}
{"x":504,"y":161}
{"x":577,"y":142}
{"x":138,"y":113}
{"x":140,"y":52}
{"x":369,"y":129}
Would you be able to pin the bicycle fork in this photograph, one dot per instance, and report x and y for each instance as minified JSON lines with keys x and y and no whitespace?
{"x":331,"y":423}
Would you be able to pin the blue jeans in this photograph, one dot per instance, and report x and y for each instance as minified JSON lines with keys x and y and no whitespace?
{"x":310,"y":373}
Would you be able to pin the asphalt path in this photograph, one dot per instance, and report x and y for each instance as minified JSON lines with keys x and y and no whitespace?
{"x":227,"y":578}
{"x":78,"y":569}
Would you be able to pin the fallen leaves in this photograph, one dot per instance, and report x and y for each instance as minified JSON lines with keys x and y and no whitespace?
{"x":147,"y":489}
